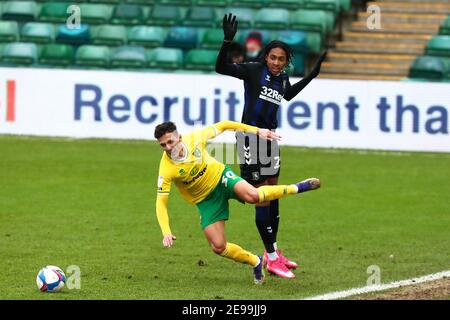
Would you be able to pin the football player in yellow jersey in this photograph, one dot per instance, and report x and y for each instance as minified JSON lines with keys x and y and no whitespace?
{"x":209,"y":184}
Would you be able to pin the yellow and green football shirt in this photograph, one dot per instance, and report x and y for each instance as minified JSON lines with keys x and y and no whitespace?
{"x":197,"y":174}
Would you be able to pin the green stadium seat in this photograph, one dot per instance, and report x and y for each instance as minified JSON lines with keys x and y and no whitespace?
{"x":38,"y":32}
{"x":76,"y":36}
{"x":9,"y":31}
{"x":19,"y":53}
{"x":2,"y":45}
{"x":143,"y":2}
{"x":107,"y":1}
{"x":329,"y":7}
{"x":176,"y":2}
{"x":309,"y":20}
{"x":165,"y":58}
{"x":214,"y":3}
{"x":439,"y":46}
{"x":147,"y":36}
{"x":244,"y":16}
{"x":165,"y":16}
{"x":269,"y":18}
{"x":95,"y":13}
{"x":212,"y":39}
{"x":445,"y":27}
{"x":92,"y":56}
{"x":314,"y":42}
{"x":201,"y":59}
{"x":128,"y":57}
{"x":109,"y":35}
{"x":250,"y":3}
{"x":182,"y":37}
{"x":297,"y":40}
{"x":287,"y":4}
{"x":298,"y":64}
{"x":325,"y":5}
{"x":429,"y":67}
{"x":128,"y":14}
{"x":345,"y":5}
{"x":330,"y":19}
{"x":70,"y":1}
{"x":54,"y":54}
{"x":21,"y":11}
{"x":200,"y":17}
{"x":54,"y":12}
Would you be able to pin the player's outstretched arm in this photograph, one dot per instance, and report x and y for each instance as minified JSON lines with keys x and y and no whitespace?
{"x":227,"y":125}
{"x":163,"y":220}
{"x":229,"y":26}
{"x":292,"y":91}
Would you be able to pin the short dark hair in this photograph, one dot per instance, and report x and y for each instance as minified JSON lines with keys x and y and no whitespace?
{"x":277,"y":44}
{"x":163,"y":128}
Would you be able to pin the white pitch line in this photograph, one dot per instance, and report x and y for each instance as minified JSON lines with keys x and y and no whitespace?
{"x":380,"y":287}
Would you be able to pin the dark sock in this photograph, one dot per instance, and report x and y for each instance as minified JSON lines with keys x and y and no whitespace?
{"x":262,"y":219}
{"x":274,"y":218}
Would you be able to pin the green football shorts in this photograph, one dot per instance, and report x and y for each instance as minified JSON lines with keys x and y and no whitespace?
{"x":215,"y":206}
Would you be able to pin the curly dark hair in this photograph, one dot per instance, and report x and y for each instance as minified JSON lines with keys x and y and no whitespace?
{"x":277,"y":44}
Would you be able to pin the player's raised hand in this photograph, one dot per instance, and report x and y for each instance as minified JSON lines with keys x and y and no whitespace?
{"x":229,"y":27}
{"x":316,"y":70}
{"x":168,"y":240}
{"x":269,"y":135}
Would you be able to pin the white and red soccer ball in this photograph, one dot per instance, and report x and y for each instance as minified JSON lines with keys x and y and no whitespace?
{"x":50,"y":279}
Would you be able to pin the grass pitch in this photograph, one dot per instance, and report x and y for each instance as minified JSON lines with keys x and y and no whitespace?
{"x":90,"y":203}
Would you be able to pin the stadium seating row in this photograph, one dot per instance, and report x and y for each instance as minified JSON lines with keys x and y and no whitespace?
{"x":178,"y":34}
{"x":333,"y":5}
{"x":90,"y":56}
{"x":435,"y":63}
{"x":317,"y":19}
{"x":184,"y":38}
{"x":147,"y":36}
{"x":430,"y":68}
{"x":124,"y":57}
{"x":445,"y":26}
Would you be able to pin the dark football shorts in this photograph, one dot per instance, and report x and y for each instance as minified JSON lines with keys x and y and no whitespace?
{"x":259,"y":159}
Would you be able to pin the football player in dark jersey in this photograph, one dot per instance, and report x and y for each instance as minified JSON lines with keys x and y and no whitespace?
{"x":265,"y":84}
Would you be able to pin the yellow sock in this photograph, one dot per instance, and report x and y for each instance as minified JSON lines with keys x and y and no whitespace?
{"x":236,"y":253}
{"x":269,"y":193}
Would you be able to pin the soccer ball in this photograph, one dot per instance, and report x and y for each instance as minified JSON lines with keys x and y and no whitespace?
{"x":50,"y":279}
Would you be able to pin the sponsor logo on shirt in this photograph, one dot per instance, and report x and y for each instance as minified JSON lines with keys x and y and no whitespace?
{"x":270,"y":95}
{"x":199,"y":174}
{"x":193,"y":171}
